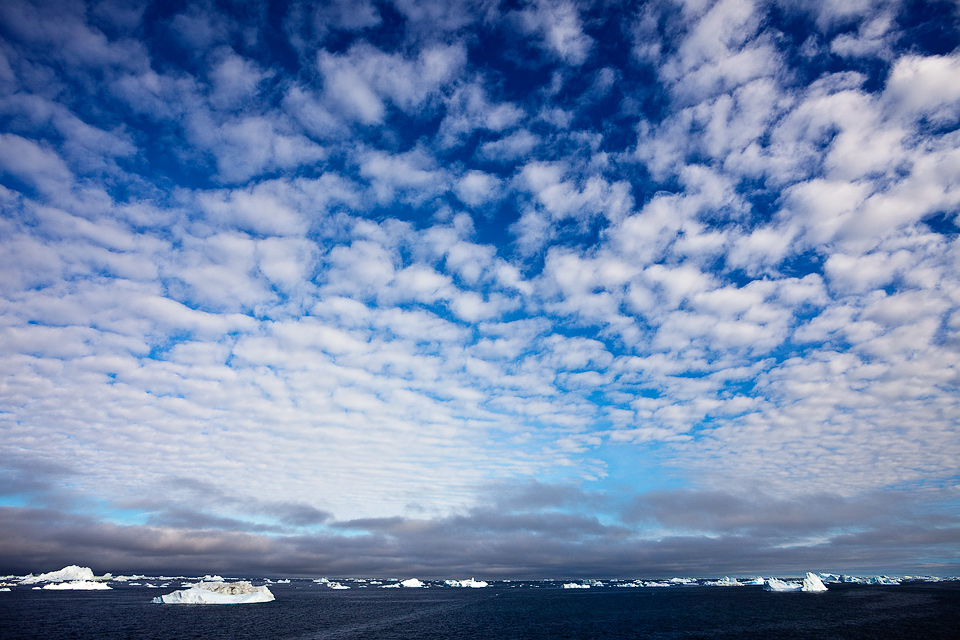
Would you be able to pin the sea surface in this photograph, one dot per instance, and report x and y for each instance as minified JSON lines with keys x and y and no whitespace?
{"x":304,"y":610}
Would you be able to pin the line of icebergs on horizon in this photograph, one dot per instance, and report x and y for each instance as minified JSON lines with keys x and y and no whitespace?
{"x":211,"y":589}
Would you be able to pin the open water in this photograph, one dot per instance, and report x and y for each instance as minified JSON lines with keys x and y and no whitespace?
{"x":306,"y":611}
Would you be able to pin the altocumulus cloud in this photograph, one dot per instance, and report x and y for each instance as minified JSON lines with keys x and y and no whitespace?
{"x":544,"y":289}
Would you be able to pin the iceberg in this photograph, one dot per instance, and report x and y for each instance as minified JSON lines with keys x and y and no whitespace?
{"x":411,"y":583}
{"x":337,"y":585}
{"x":773,"y":584}
{"x":725,"y":581}
{"x":77,"y":585}
{"x":575,"y":585}
{"x":72,"y":572}
{"x":470,"y":583}
{"x":813,"y":583}
{"x":218,"y":593}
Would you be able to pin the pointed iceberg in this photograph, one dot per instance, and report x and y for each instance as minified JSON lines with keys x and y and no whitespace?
{"x":813,"y":583}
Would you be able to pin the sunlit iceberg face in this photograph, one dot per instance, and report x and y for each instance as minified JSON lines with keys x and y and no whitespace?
{"x":218,"y":593}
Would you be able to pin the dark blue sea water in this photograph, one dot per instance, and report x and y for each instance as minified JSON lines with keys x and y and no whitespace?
{"x":307,"y":611}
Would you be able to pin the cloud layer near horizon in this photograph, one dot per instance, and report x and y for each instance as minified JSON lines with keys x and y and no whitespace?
{"x":291,"y":277}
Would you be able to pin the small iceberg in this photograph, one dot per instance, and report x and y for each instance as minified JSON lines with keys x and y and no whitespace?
{"x":812,"y":583}
{"x":337,"y":585}
{"x":77,"y":585}
{"x":218,"y":593}
{"x":411,"y":583}
{"x":575,"y":585}
{"x":781,"y":586}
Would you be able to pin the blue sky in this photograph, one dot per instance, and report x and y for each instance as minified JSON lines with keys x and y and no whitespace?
{"x":513,"y":289}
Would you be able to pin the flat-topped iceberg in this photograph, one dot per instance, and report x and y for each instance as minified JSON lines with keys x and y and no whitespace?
{"x":218,"y":593}
{"x":72,"y":572}
{"x":77,"y":585}
{"x":469,"y":583}
{"x":575,"y":585}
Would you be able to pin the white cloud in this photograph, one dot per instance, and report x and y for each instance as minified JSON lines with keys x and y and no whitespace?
{"x":558,"y":24}
{"x":359,"y":81}
{"x":515,"y":146}
{"x":477,"y":188}
{"x":412,"y":176}
{"x":39,"y":167}
{"x":469,"y":109}
{"x":925,"y":86}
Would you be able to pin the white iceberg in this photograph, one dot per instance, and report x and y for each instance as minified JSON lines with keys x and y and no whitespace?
{"x":725,"y":581}
{"x":469,"y":583}
{"x":72,"y":572}
{"x":411,"y":583}
{"x":575,"y":585}
{"x":77,"y":585}
{"x":337,"y":585}
{"x":218,"y":593}
{"x":774,"y":584}
{"x":813,"y":583}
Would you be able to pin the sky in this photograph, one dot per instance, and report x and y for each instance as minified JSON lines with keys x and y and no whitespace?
{"x":505,"y":289}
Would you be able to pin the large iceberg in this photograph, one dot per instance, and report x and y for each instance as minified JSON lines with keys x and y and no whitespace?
{"x":72,"y":572}
{"x":78,"y":585}
{"x":774,"y":584}
{"x":725,"y":581}
{"x":469,"y":583}
{"x":411,"y":583}
{"x":218,"y":593}
{"x":812,"y":582}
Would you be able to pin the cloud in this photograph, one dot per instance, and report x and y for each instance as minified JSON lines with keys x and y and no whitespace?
{"x":359,"y":81}
{"x":559,"y":26}
{"x":39,"y":167}
{"x":386,"y":265}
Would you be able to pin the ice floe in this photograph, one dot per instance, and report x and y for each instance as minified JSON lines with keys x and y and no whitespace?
{"x":411,"y":583}
{"x":337,"y":585}
{"x":218,"y":593}
{"x":575,"y":585}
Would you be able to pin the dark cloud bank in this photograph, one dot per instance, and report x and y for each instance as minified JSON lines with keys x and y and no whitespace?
{"x":532,"y":531}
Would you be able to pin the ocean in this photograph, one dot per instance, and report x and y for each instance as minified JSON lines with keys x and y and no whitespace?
{"x":305,"y":610}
